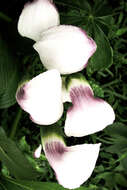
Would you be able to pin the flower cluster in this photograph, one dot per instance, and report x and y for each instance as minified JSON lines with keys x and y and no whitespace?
{"x":63,"y":49}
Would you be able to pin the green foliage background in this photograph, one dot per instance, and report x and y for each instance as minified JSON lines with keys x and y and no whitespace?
{"x":105,"y":21}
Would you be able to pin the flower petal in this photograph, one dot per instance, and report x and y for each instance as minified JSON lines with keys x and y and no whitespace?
{"x":37,"y":152}
{"x":65,"y":48}
{"x":72,"y":165}
{"x":41,"y":97}
{"x":37,"y":17}
{"x":88,"y":114}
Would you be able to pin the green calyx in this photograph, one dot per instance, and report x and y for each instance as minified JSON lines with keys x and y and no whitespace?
{"x":51,"y":133}
{"x":75,"y":80}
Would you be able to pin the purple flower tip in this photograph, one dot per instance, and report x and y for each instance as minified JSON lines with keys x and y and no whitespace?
{"x":55,"y":149}
{"x":20,"y":93}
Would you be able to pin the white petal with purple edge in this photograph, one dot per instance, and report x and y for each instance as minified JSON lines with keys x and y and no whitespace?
{"x":88,"y":114}
{"x":65,"y":48}
{"x":72,"y":165}
{"x":41,"y":97}
{"x":37,"y":17}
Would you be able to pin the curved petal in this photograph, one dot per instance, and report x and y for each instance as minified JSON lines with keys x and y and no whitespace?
{"x":72,"y":165}
{"x":41,"y":97}
{"x":37,"y":17}
{"x":88,"y":114}
{"x":37,"y":152}
{"x":65,"y":48}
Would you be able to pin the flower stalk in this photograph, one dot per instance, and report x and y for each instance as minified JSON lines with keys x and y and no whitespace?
{"x":15,"y":123}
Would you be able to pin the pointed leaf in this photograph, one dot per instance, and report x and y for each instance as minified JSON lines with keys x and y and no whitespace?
{"x":9,"y":76}
{"x":2,"y":187}
{"x":121,"y":180}
{"x":75,"y":4}
{"x":14,"y":160}
{"x":117,"y":129}
{"x":102,"y":58}
{"x":30,"y":185}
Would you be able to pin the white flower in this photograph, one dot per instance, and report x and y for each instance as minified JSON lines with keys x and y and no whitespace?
{"x":37,"y":17}
{"x":41,"y":97}
{"x":72,"y":165}
{"x":88,"y":114}
{"x":65,"y":48}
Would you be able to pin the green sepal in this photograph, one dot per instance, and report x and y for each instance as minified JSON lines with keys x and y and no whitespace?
{"x":75,"y":78}
{"x":49,"y":133}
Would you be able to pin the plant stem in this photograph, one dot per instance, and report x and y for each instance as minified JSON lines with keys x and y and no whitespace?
{"x":116,"y":94}
{"x":5,"y":17}
{"x":110,"y":83}
{"x":15,"y":123}
{"x":109,"y":72}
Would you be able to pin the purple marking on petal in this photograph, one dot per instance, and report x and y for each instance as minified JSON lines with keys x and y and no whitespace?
{"x":81,"y":93}
{"x":92,"y":43}
{"x":21,"y":93}
{"x":83,"y":31}
{"x":55,"y":149}
{"x":27,"y":4}
{"x":86,"y":64}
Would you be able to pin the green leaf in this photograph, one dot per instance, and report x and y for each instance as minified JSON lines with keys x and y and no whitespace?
{"x":107,"y":20}
{"x":14,"y":160}
{"x":108,"y":177}
{"x":73,"y":20}
{"x":121,"y":31}
{"x":105,"y":23}
{"x":11,"y":44}
{"x":5,"y":17}
{"x":117,"y":129}
{"x":2,"y":187}
{"x":30,"y":185}
{"x":9,"y":76}
{"x":102,"y":58}
{"x":24,"y":147}
{"x":98,"y":91}
{"x":75,"y":4}
{"x":85,"y":5}
{"x":120,"y":179}
{"x":101,"y":8}
{"x":118,"y":147}
{"x":123,"y":162}
{"x":118,"y":133}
